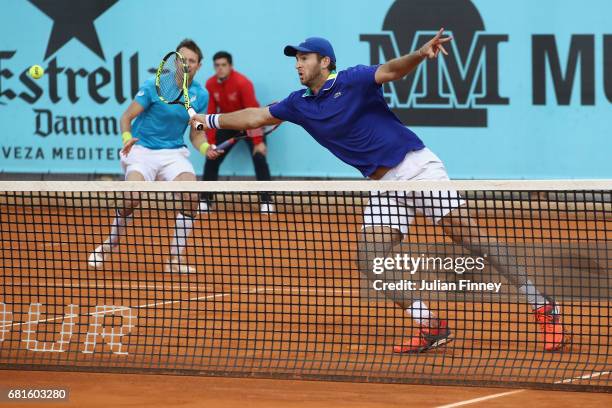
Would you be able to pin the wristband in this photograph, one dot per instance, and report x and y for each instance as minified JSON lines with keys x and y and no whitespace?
{"x":204,"y":148}
{"x":126,"y":136}
{"x":212,"y":121}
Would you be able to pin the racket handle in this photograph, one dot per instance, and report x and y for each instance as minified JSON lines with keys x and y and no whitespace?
{"x":226,"y":144}
{"x":192,"y":113}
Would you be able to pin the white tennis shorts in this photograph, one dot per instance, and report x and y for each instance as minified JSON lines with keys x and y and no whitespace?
{"x":396,"y":209}
{"x":162,"y":164}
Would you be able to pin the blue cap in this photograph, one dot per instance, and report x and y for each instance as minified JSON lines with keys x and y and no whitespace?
{"x":312,"y":44}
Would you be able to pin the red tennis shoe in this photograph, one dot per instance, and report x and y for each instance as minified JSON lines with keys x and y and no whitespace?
{"x":427,"y":339}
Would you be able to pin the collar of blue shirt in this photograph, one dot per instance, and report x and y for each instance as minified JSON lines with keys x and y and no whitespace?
{"x":329,"y":83}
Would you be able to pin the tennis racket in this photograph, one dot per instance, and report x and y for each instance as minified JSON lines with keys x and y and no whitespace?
{"x":230,"y":142}
{"x":266,"y":131}
{"x":171,"y":82}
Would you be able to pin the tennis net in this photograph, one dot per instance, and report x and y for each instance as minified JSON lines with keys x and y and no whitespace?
{"x":505,"y":283}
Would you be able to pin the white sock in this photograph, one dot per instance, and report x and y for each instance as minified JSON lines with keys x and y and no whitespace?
{"x":420,"y":313}
{"x":534,"y":297}
{"x":182,"y":231}
{"x":118,"y":229}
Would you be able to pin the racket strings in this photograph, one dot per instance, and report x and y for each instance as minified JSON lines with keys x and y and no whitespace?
{"x":171,"y":79}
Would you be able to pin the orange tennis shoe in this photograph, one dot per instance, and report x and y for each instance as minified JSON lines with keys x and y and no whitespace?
{"x":427,"y":339}
{"x":549,"y":320}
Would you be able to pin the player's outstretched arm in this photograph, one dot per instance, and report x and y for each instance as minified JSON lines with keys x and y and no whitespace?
{"x":398,"y":68}
{"x":249,"y":118}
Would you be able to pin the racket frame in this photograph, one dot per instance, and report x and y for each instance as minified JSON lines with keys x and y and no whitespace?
{"x":233,"y":140}
{"x":185,"y":91}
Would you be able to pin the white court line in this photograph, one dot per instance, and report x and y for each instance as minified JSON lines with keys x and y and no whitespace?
{"x":300,"y":290}
{"x":168,"y":302}
{"x":503,"y":394}
{"x":188,"y":287}
{"x":218,"y":295}
{"x":480,"y":399}
{"x":163,"y":287}
{"x":583,"y":377}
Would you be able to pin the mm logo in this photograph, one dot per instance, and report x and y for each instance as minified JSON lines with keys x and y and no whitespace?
{"x":450,"y":91}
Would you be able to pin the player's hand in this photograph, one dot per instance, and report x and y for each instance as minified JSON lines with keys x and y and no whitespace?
{"x":432,"y":48}
{"x":212,"y":153}
{"x":128,"y":146}
{"x":260,"y":148}
{"x":198,"y":118}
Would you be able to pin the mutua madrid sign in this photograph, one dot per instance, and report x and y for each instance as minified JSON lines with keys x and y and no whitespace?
{"x":455,"y":91}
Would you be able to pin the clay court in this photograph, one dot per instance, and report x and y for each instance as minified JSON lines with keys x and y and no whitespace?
{"x":279,"y":297}
{"x":129,"y":390}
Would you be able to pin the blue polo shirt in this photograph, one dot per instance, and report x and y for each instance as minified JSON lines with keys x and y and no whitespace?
{"x":349,"y":116}
{"x":162,"y":126}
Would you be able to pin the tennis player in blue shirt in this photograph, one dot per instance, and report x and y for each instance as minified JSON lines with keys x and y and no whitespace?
{"x":154,"y":149}
{"x":347,"y":113}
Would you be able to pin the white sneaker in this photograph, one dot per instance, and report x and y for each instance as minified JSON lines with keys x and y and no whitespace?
{"x":98,"y":256}
{"x":203,"y":208}
{"x":176,"y":265}
{"x":267,"y":208}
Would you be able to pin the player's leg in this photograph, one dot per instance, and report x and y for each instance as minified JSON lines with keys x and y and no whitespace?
{"x":211,"y":173}
{"x":386,"y":220}
{"x":417,"y":165}
{"x":138,"y":165}
{"x":375,"y":243}
{"x":131,"y":201}
{"x":211,"y":167}
{"x":447,"y":209}
{"x":464,"y":231}
{"x":179,"y":168}
{"x":262,"y":173}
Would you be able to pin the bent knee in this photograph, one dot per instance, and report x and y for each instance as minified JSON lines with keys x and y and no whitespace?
{"x":380,"y":234}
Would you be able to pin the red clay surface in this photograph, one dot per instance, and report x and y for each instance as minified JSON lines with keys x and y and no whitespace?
{"x":274,"y":295}
{"x":126,"y":390}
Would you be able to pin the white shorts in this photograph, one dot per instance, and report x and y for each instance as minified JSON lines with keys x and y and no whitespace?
{"x":162,"y":164}
{"x":396,"y":209}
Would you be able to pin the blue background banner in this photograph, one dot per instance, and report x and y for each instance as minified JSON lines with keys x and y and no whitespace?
{"x":525,"y":93}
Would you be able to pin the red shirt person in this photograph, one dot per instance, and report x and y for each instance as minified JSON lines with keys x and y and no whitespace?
{"x":234,"y":92}
{"x":230,"y":91}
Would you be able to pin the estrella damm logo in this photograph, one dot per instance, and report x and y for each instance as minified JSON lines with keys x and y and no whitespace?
{"x":451,"y":91}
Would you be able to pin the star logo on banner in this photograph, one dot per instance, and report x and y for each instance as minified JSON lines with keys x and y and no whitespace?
{"x":73,"y":19}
